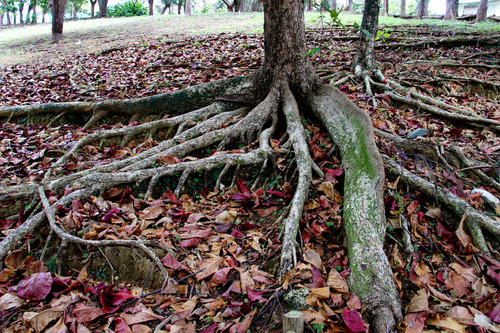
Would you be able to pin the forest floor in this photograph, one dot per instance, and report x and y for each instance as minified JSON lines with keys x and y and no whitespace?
{"x":220,"y":246}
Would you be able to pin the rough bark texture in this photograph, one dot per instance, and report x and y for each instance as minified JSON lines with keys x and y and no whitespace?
{"x":103,"y":8}
{"x":151,"y":7}
{"x":92,"y":8}
{"x":451,"y":9}
{"x":422,"y":9}
{"x":285,"y":48}
{"x":403,"y":8}
{"x":482,"y":10}
{"x":58,"y":8}
{"x":365,"y":57}
{"x":364,"y":218}
{"x":187,"y":8}
{"x":385,"y":9}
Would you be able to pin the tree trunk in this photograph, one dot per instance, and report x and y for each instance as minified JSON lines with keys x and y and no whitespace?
{"x":167,"y":6}
{"x":103,"y":8}
{"x":92,"y":8}
{"x":309,"y":5}
{"x":482,"y":11}
{"x":423,"y":6}
{"x":21,"y":7}
{"x":333,"y":5}
{"x":364,"y":58}
{"x":285,"y":47}
{"x":187,"y":8}
{"x":151,"y":2}
{"x":179,"y":7}
{"x":385,"y":9}
{"x":349,"y":5}
{"x":1,"y":18}
{"x":403,"y":8}
{"x":451,"y":9}
{"x":58,"y":9}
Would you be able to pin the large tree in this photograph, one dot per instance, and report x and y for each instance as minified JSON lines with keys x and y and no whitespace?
{"x":422,"y":10}
{"x":58,"y":8}
{"x":282,"y":92}
{"x":482,"y":10}
{"x":451,"y":9}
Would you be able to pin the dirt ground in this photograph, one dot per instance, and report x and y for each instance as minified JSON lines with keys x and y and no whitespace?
{"x":32,"y":43}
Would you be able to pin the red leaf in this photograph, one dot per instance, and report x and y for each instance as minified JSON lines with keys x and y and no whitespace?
{"x":35,"y":287}
{"x":415,"y":322}
{"x":242,"y":185}
{"x":61,"y":286}
{"x":211,"y":329}
{"x":170,"y":262}
{"x":189,"y":243}
{"x":494,"y":314}
{"x":353,"y":321}
{"x":255,"y":296}
{"x":112,"y":301}
{"x":220,"y":276}
{"x":121,"y":326}
{"x":83,"y":313}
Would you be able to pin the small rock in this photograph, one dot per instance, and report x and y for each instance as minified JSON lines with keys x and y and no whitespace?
{"x":296,"y":299}
{"x":418,"y":132}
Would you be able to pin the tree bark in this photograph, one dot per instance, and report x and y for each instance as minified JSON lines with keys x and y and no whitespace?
{"x":365,"y":57}
{"x":482,"y":11}
{"x":92,"y":8}
{"x":349,"y":5}
{"x":423,"y":6}
{"x":32,"y":11}
{"x":333,"y":5}
{"x":21,"y":7}
{"x":179,"y":7}
{"x":58,"y":9}
{"x":187,"y":8}
{"x":167,"y":6}
{"x":285,"y":47}
{"x":451,"y":9}
{"x":402,"y":11}
{"x":103,"y":8}
{"x":151,"y":3}
{"x":385,"y":9}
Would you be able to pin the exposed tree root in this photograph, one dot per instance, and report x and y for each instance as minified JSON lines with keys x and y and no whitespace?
{"x":433,"y":105}
{"x":475,"y":220}
{"x":364,"y":218}
{"x":371,"y":278}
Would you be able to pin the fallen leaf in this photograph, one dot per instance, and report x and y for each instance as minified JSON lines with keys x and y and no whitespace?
{"x":35,"y":287}
{"x":353,"y":321}
{"x":419,"y":302}
{"x":10,"y":301}
{"x":337,"y":282}
{"x":313,"y":258}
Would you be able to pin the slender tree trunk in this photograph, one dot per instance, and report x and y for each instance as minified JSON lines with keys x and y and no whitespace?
{"x":403,"y":8}
{"x":179,"y":6}
{"x":237,"y":5}
{"x":151,"y":2}
{"x":364,"y":57}
{"x":92,"y":8}
{"x":187,"y":8}
{"x":349,"y":5}
{"x":451,"y":9}
{"x":423,"y":6}
{"x":103,"y":8}
{"x":482,"y":11}
{"x":167,"y":6}
{"x":1,"y":19}
{"x":309,"y":5}
{"x":21,"y":7}
{"x":385,"y":9}
{"x":333,"y":5}
{"x":58,"y":9}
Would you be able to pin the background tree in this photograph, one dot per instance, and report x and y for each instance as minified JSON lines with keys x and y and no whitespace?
{"x":92,"y":8}
{"x":482,"y":10}
{"x":75,"y":6}
{"x":232,"y":6}
{"x":402,"y":10}
{"x":385,"y":7}
{"x":151,"y":7}
{"x":365,"y":55}
{"x":451,"y":9}
{"x":32,"y":11}
{"x":167,"y":4}
{"x":187,"y":8}
{"x":58,"y":8}
{"x":21,"y":8}
{"x":103,"y":8}
{"x":422,"y":11}
{"x":333,"y":4}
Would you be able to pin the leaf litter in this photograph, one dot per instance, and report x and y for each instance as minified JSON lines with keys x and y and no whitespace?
{"x":219,"y":242}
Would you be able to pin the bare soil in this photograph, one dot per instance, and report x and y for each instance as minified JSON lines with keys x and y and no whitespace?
{"x":32,"y":43}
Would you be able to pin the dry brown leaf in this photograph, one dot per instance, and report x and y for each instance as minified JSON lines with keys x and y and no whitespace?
{"x":419,"y":302}
{"x":10,"y":301}
{"x":40,"y":320}
{"x":321,"y":293}
{"x":461,"y":314}
{"x":446,"y":323}
{"x":313,"y":258}
{"x":337,"y":282}
{"x":209,"y":266}
{"x":227,"y":216}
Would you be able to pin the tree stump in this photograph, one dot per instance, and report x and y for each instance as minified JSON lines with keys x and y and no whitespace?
{"x":293,"y":322}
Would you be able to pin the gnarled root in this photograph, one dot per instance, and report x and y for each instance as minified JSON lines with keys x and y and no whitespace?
{"x":371,"y":277}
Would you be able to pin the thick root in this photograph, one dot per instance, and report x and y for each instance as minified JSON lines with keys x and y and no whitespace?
{"x":364,"y":217}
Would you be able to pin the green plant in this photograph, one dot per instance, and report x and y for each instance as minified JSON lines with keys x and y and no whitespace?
{"x":128,"y":8}
{"x":318,"y":328}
